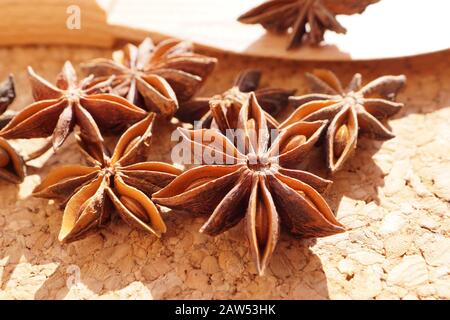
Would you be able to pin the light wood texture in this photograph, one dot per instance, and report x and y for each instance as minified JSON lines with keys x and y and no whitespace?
{"x":386,"y":29}
{"x":393,"y":196}
{"x":27,"y":22}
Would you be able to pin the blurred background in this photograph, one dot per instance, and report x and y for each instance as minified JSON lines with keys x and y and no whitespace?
{"x":386,"y":29}
{"x":389,"y":28}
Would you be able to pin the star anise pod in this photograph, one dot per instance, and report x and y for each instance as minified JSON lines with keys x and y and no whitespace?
{"x":353,"y":110}
{"x":7,"y":95}
{"x":12,"y":167}
{"x":226,"y":106}
{"x":120,"y":181}
{"x":309,"y":19}
{"x":245,"y":177}
{"x":71,"y":102}
{"x":155,"y":77}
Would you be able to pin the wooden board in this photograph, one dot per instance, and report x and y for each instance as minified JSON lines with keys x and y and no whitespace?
{"x":393,"y":196}
{"x":385,"y":30}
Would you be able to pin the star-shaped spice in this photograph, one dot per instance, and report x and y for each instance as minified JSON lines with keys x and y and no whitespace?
{"x":71,"y":102}
{"x":226,"y":106}
{"x":7,"y":94}
{"x":120,"y":181}
{"x":155,"y":77}
{"x":12,"y":167}
{"x":244,"y":177}
{"x":351,"y":111}
{"x":308,"y":19}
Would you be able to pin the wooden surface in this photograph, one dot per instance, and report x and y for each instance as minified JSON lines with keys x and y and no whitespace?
{"x":26,"y":22}
{"x":386,"y":29}
{"x":394,"y":197}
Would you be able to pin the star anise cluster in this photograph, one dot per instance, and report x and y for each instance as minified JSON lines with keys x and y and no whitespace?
{"x":307,"y":19}
{"x":247,"y":160}
{"x":121,"y":181}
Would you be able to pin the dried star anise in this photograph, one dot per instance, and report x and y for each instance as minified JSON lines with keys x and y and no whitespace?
{"x":226,"y":106}
{"x":247,"y":179}
{"x":351,"y":110}
{"x":309,"y":19}
{"x":120,"y":181}
{"x":155,"y":77}
{"x":11,"y":164}
{"x":7,"y":94}
{"x":59,"y":108}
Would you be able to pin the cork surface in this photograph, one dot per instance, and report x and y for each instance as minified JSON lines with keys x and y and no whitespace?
{"x":393,"y":196}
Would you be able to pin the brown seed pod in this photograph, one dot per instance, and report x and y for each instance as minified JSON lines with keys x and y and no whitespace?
{"x":155,"y":77}
{"x":255,"y":186}
{"x":351,"y":111}
{"x":124,"y":182}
